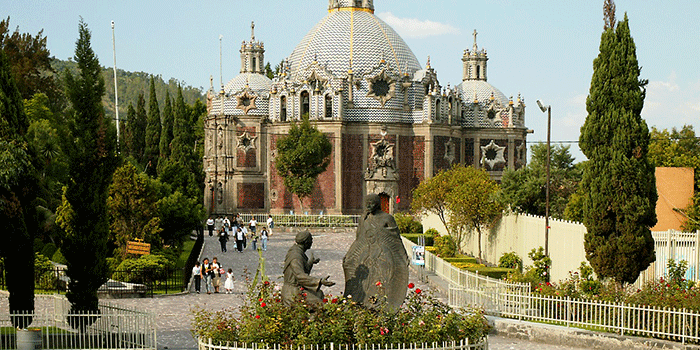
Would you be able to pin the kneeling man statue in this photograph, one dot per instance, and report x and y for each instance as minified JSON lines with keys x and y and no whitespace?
{"x":297,"y":267}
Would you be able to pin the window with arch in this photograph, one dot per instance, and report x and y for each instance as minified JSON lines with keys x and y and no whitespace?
{"x":478,"y":72}
{"x":254,"y":66}
{"x":283,"y":108}
{"x":304,"y":103}
{"x":329,"y":106}
{"x":437,"y":109}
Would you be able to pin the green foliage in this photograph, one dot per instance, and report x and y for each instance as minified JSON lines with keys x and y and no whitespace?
{"x":431,"y":196}
{"x":445,"y":246}
{"x":153,"y":130}
{"x":132,"y":205}
{"x":432,"y":232}
{"x":58,"y":257}
{"x":92,"y":159}
{"x":144,"y":268}
{"x":166,"y":135}
{"x":303,"y":154}
{"x":266,"y":321}
{"x":179,"y":215}
{"x":524,"y":190}
{"x":511,"y":260}
{"x":45,"y":272}
{"x":541,"y":263}
{"x":49,"y":249}
{"x":407,"y":223}
{"x":18,"y":186}
{"x":413,"y":237}
{"x":676,"y":272}
{"x":618,"y":180}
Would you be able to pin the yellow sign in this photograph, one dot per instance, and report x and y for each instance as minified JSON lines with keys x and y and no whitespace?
{"x":138,"y":248}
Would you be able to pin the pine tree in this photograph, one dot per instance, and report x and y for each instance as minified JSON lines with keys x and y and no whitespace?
{"x":18,"y":186}
{"x":129,"y":129}
{"x":166,"y":133}
{"x":153,"y":130}
{"x":181,"y":130}
{"x":139,"y":149}
{"x":91,"y":153}
{"x":618,"y":181}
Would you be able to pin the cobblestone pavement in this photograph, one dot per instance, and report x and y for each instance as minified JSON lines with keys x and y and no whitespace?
{"x":173,"y":312}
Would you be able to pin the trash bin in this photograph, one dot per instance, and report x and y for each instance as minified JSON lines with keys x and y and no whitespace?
{"x":29,"y":339}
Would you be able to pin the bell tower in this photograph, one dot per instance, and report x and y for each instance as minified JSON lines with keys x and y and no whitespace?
{"x":252,"y":54}
{"x":474,"y":63}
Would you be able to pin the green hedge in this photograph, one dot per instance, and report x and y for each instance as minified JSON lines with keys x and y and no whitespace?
{"x":413,"y":237}
{"x":493,"y":272}
{"x":461,"y":259}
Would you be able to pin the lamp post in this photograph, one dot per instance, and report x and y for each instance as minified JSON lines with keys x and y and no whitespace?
{"x":547,"y":109}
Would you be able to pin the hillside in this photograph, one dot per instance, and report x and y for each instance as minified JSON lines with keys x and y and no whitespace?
{"x":130,"y":85}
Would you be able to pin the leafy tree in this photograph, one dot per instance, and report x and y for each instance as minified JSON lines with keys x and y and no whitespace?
{"x":679,"y":148}
{"x":166,"y":134}
{"x":302,"y":155}
{"x":618,"y":180}
{"x":268,"y":71}
{"x":92,"y":159}
{"x":30,"y":64}
{"x":153,"y":130}
{"x":179,"y":215}
{"x":431,"y":196}
{"x":472,"y":203}
{"x":524,"y":190}
{"x":17,"y":189}
{"x":132,"y":204}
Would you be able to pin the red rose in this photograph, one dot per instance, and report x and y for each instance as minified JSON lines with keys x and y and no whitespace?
{"x":325,"y":300}
{"x":260,"y":299}
{"x":263,"y":304}
{"x":266,"y":283}
{"x":257,"y":316}
{"x":379,"y":284}
{"x":335,"y":300}
{"x":304,"y":294}
{"x":418,"y":290}
{"x":411,"y":285}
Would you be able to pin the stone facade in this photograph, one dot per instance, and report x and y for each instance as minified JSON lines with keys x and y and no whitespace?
{"x":389,"y":120}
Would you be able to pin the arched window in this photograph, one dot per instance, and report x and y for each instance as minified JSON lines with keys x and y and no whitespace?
{"x":304,"y":103}
{"x":283,"y":108}
{"x":329,"y":106}
{"x":478,"y":72}
{"x":437,"y":109}
{"x":254,"y":66}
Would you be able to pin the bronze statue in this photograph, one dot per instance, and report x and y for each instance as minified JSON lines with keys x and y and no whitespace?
{"x":297,"y":267}
{"x":376,"y":265}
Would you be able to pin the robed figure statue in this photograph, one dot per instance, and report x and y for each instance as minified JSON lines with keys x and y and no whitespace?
{"x":376,"y":265}
{"x":297,"y":266}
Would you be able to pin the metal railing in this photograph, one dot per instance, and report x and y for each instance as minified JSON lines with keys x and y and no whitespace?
{"x":460,"y":345}
{"x":294,"y":220}
{"x":112,"y":328}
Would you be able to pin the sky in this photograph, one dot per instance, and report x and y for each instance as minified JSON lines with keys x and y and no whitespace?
{"x":542,"y":49}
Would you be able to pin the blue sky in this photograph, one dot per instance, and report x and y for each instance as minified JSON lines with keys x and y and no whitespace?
{"x":541,"y":49}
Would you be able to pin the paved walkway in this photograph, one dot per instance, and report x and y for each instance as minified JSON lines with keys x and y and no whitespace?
{"x":174,"y":312}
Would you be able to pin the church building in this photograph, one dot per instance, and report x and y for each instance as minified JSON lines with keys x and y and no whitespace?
{"x":389,"y":120}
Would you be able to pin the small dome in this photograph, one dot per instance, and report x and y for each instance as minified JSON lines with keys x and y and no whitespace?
{"x":258,"y":83}
{"x":483,"y":90}
{"x":357,"y":36}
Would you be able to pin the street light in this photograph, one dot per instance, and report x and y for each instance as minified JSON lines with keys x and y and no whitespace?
{"x":547,"y":109}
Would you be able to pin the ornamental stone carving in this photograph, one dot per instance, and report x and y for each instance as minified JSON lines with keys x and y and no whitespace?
{"x":492,"y":155}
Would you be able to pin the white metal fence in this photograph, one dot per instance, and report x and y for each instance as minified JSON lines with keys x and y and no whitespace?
{"x":665,"y":323}
{"x":294,"y":220}
{"x":113,"y":328}
{"x":460,"y":345}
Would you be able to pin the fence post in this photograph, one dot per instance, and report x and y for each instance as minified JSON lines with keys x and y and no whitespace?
{"x":568,"y":311}
{"x":697,"y":255}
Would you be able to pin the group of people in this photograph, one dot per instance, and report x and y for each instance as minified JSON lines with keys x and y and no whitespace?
{"x":211,"y":274}
{"x":240,"y":233}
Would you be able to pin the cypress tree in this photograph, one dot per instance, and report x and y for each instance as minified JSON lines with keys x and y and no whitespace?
{"x":139,"y":145}
{"x":618,"y":182}
{"x":92,"y":159}
{"x":166,"y":134}
{"x":18,"y":185}
{"x":181,"y":130}
{"x":129,"y":130}
{"x":153,"y":130}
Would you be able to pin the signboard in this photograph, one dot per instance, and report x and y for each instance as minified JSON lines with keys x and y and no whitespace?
{"x":138,"y":248}
{"x":418,"y":255}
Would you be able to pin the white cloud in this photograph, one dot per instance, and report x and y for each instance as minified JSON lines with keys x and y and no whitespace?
{"x":670,"y":104}
{"x":415,"y":28}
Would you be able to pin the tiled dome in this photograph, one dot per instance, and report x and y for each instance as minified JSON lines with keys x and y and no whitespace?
{"x":257,"y":82}
{"x":483,"y":90}
{"x":352,"y":35}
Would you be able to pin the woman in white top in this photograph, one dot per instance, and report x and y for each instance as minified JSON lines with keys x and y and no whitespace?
{"x":270,"y":225}
{"x":252,"y":225}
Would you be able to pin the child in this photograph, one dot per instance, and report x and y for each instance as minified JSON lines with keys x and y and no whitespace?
{"x":229,"y":282}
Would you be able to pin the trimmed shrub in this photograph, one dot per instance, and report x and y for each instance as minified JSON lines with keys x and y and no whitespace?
{"x":407,"y":224}
{"x":144,"y":269}
{"x":493,"y":272}
{"x":48,"y":250}
{"x":461,"y":260}
{"x":58,"y":257}
{"x":413,"y":237}
{"x":511,"y":260}
{"x":446,"y":246}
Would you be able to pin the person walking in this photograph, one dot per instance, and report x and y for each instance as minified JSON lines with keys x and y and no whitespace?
{"x":227,"y":224}
{"x":197,"y":276}
{"x":207,"y":274}
{"x":229,"y":281}
{"x":210,"y":226}
{"x":252,"y":224}
{"x":216,"y":277}
{"x":254,"y":240}
{"x":239,"y":239}
{"x":223,"y":238}
{"x":263,"y":238}
{"x":270,"y":224}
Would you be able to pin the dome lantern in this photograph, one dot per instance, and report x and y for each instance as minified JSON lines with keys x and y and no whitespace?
{"x":366,"y":5}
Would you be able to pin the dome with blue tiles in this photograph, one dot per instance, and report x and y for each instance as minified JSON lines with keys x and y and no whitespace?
{"x":352,"y":38}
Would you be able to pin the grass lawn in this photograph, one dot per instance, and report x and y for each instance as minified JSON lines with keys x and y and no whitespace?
{"x":185,"y":253}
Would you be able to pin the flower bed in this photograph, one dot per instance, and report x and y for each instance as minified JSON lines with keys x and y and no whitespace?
{"x":264,"y":321}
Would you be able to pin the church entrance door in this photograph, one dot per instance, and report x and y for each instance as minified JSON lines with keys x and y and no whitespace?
{"x":385,"y":202}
